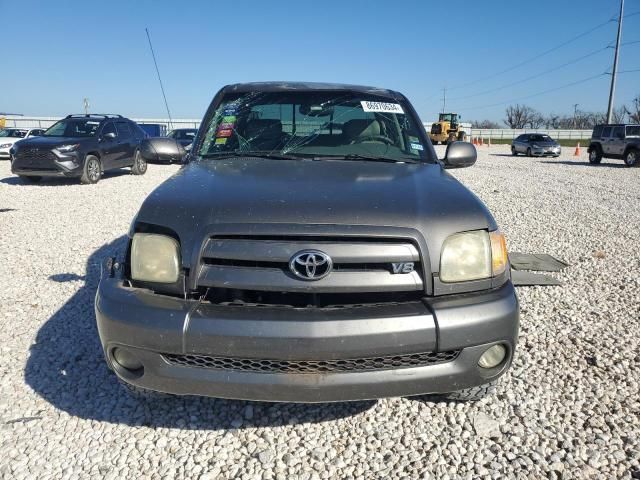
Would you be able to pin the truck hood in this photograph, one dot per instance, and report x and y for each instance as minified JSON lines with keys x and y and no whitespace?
{"x":50,"y":142}
{"x":253,"y":191}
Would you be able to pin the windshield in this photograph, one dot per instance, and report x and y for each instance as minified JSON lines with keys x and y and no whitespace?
{"x":13,"y":132}
{"x":340,"y":125}
{"x":73,"y":127}
{"x":541,"y":138}
{"x":183,"y":134}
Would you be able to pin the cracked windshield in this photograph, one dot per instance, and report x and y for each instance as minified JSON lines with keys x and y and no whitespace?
{"x":331,"y":126}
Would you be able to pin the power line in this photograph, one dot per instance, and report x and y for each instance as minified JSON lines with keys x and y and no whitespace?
{"x":536,"y":57}
{"x":545,"y":72}
{"x":159,"y":79}
{"x":544,"y":92}
{"x":629,"y":71}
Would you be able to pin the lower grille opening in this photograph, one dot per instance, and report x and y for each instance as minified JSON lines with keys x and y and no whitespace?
{"x":391,"y":362}
{"x":254,"y":298}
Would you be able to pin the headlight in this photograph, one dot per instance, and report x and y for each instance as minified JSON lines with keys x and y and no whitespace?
{"x":473,"y":256}
{"x":154,"y":258}
{"x":68,"y":148}
{"x":5,"y":145}
{"x":536,"y":146}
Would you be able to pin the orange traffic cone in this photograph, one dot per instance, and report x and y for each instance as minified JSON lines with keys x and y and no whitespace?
{"x":577,"y":152}
{"x":475,"y":141}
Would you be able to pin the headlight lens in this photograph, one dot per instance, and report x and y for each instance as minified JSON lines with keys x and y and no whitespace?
{"x":5,"y":145}
{"x":466,"y":256}
{"x":473,"y":256}
{"x":536,"y":146}
{"x":155,"y":258}
{"x":68,"y":148}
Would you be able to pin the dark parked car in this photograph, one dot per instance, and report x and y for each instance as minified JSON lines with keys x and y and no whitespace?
{"x":184,"y":136}
{"x":81,"y":146}
{"x":313,"y":249}
{"x":154,"y":129}
{"x":615,"y":141}
{"x":535,"y":144}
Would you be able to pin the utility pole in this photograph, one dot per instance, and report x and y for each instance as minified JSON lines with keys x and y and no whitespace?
{"x":614,"y":72}
{"x":575,"y":113}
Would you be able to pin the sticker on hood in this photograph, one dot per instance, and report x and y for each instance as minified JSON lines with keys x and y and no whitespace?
{"x":381,"y":107}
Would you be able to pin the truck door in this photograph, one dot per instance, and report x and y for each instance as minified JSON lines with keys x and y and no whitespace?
{"x":617,"y":145}
{"x":606,"y":140}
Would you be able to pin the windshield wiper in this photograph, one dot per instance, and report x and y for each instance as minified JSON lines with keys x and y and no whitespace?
{"x":369,"y":158}
{"x":241,"y":153}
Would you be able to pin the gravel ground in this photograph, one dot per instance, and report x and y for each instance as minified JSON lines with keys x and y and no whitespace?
{"x":569,"y":408}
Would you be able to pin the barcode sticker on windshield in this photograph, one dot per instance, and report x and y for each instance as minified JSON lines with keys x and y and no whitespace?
{"x":381,"y":107}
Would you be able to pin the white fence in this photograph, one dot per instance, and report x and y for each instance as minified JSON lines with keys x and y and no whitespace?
{"x":505,"y":133}
{"x":45,"y":122}
{"x":509,"y":134}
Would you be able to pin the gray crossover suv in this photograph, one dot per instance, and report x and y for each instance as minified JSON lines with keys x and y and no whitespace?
{"x":312,"y":248}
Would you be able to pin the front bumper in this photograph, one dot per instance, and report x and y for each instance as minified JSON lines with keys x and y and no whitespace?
{"x":546,"y":152}
{"x":55,"y":165}
{"x":152,"y":326}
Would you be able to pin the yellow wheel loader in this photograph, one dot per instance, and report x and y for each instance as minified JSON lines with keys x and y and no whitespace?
{"x":448,"y":129}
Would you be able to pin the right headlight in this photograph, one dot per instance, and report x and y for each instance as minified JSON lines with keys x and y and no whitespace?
{"x":155,"y":258}
{"x":473,"y":255}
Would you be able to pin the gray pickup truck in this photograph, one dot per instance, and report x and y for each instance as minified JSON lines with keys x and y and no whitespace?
{"x":615,"y":141}
{"x":313,"y":248}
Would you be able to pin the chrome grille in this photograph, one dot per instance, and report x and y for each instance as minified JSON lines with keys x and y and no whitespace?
{"x":262,"y":265}
{"x":256,"y":365}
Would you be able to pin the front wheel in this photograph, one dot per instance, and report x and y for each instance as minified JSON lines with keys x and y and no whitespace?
{"x":595,"y":156}
{"x":513,"y":151}
{"x":92,"y":170}
{"x":528,"y":152}
{"x":139,"y":166}
{"x":632,"y":158}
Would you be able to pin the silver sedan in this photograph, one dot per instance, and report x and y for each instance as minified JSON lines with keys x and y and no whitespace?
{"x":535,"y":144}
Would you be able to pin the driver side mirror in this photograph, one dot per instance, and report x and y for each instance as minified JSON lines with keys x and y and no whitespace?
{"x":109,"y":136}
{"x":162,"y":149}
{"x":460,"y":155}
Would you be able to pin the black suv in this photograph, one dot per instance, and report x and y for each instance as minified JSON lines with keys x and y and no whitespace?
{"x":615,"y":141}
{"x":82,"y":146}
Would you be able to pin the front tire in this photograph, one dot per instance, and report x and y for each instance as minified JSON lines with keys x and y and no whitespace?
{"x":513,"y":151}
{"x":595,"y":156}
{"x":139,"y":166}
{"x":528,"y":152}
{"x":632,"y":158}
{"x":92,"y":171}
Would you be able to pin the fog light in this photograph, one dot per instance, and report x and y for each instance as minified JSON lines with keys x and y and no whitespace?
{"x":493,"y":356}
{"x":126,"y":359}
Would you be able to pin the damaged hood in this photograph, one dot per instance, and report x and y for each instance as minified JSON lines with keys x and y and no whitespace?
{"x":340,"y":193}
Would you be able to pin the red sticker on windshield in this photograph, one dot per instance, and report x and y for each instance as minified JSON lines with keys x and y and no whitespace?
{"x":224,"y":133}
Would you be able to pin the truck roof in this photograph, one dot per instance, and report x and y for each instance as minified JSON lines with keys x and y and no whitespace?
{"x":309,"y":86}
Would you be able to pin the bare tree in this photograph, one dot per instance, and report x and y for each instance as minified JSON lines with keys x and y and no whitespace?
{"x":619,"y":114}
{"x":485,"y":124}
{"x":536,"y":120}
{"x":522,"y":116}
{"x":634,"y":112}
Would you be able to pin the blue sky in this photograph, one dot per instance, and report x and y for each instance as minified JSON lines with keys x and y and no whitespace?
{"x":57,"y":53}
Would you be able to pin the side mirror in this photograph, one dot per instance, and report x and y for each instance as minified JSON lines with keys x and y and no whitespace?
{"x":162,"y":149}
{"x":460,"y":155}
{"x":109,"y":136}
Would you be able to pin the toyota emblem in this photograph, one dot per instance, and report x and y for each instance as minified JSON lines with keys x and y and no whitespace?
{"x":311,"y":265}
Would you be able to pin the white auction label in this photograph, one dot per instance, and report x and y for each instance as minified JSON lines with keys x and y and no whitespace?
{"x":381,"y":107}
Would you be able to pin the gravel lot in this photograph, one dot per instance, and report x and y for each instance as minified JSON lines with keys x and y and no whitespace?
{"x":569,"y":408}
